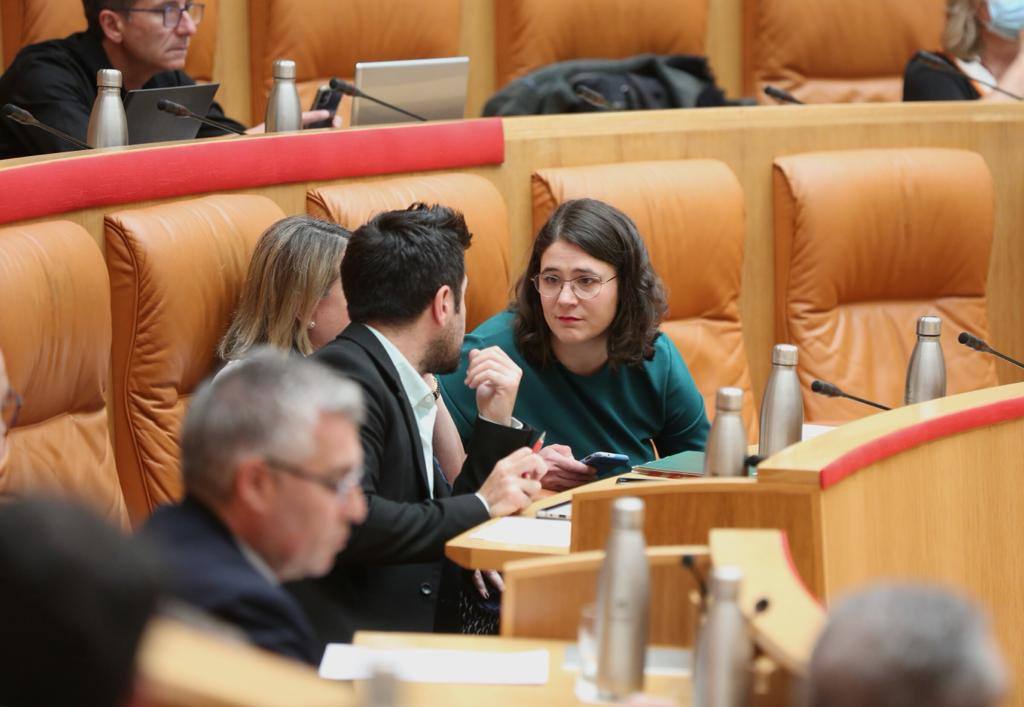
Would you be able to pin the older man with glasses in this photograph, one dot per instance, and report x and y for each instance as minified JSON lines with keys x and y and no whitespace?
{"x":146,"y":40}
{"x":272,"y":463}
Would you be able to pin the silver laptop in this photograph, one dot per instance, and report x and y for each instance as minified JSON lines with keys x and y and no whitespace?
{"x":147,"y":124}
{"x":432,"y":88}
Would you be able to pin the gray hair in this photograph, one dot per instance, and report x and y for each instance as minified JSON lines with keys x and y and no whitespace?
{"x":268,"y":404}
{"x":961,"y":35}
{"x":903,"y":646}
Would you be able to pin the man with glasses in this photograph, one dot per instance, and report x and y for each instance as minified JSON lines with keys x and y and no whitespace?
{"x":272,"y":463}
{"x":146,"y":40}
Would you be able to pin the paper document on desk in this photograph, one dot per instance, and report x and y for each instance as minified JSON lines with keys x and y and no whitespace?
{"x":342,"y":661}
{"x":526,"y":531}
{"x":812,"y":431}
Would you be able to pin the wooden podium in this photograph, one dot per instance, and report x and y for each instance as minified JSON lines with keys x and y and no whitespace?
{"x":925,"y":492}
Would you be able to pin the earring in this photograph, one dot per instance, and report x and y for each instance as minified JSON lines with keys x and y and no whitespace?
{"x":312,"y":325}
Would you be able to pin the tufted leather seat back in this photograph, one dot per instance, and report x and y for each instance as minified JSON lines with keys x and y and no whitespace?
{"x":690,"y":214}
{"x":489,"y":290}
{"x":530,"y":34}
{"x":326,"y":38}
{"x":55,"y":338}
{"x":30,"y":21}
{"x":830,"y":51}
{"x":176,"y":271}
{"x":867,"y":241}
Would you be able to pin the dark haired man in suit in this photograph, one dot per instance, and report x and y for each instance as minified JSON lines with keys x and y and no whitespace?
{"x":404,"y":277}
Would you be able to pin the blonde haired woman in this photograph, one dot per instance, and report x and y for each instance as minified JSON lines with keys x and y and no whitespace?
{"x":981,"y":44}
{"x":292,"y":297}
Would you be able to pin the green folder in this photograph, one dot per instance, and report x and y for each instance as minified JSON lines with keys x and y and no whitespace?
{"x":682,"y":464}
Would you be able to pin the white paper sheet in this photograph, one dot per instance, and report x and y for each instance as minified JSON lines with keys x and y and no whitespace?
{"x":812,"y":431}
{"x":345,"y":662}
{"x":526,"y":531}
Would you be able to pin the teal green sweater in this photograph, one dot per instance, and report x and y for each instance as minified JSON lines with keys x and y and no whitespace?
{"x":609,"y":411}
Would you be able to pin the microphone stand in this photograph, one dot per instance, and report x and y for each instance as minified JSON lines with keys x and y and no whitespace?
{"x":825,"y":388}
{"x":181,"y":111}
{"x":936,"y":62}
{"x":350,"y":90}
{"x":971,"y":341}
{"x":23,"y":117}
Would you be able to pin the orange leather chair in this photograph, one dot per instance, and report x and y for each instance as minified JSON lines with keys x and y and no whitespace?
{"x":691,"y":216}
{"x":55,"y":337}
{"x":530,"y":34}
{"x":326,"y":38}
{"x":176,"y":272}
{"x":30,"y":21}
{"x":830,"y":51}
{"x":867,"y":241}
{"x":489,"y":290}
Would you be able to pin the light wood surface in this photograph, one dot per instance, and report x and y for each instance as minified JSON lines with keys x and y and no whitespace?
{"x":181,"y":667}
{"x":543,"y":597}
{"x":557,"y":692}
{"x":788,"y":628}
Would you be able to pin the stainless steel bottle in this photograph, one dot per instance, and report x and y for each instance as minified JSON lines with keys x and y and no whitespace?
{"x":722,"y":665}
{"x":727,"y":442}
{"x":108,"y":126}
{"x":284,"y":112}
{"x":782,"y":408}
{"x":926,"y":372}
{"x":623,"y":589}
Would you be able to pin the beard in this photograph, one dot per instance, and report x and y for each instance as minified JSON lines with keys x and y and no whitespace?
{"x":443,"y":353}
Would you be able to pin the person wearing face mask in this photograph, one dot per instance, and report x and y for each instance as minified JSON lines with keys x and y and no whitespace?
{"x":981,"y":43}
{"x":598,"y":375}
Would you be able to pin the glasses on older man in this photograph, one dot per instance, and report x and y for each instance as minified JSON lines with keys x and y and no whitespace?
{"x":10,"y":406}
{"x":584,"y":287}
{"x":341,"y":483}
{"x":172,"y":12}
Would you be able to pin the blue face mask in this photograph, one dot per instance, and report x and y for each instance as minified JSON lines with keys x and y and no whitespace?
{"x":1007,"y":17}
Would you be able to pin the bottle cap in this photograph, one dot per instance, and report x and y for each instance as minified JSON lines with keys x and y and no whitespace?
{"x":784,"y":355}
{"x":108,"y":78}
{"x":284,"y":69}
{"x":729,"y":400}
{"x":929,"y":326}
{"x":726,"y":581}
{"x":628,"y":513}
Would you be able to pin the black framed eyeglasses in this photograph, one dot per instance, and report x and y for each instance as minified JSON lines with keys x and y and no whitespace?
{"x":342,"y":487}
{"x":10,"y":406}
{"x":584,"y":287}
{"x":172,"y":12}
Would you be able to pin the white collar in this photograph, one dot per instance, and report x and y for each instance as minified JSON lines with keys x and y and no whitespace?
{"x":416,"y":389}
{"x":975,"y":70}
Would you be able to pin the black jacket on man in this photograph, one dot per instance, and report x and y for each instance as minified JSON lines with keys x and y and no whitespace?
{"x":389,"y":575}
{"x":206,"y":569}
{"x":56,"y":82}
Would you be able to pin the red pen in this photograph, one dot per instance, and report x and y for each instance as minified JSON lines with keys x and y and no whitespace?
{"x":536,"y":448}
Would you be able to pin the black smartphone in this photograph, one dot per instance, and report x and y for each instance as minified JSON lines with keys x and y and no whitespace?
{"x":607,"y":463}
{"x":328,"y":100}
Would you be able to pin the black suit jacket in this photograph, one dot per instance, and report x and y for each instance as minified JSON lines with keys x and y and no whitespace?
{"x":389,"y":575}
{"x":207,"y":570}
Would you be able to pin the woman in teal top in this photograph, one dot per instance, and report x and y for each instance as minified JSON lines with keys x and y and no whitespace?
{"x":598,"y":375}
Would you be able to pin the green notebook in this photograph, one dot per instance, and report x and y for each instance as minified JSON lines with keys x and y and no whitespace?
{"x":682,"y":464}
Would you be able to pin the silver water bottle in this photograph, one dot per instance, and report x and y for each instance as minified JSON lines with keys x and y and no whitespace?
{"x":108,"y":126}
{"x":727,"y":442}
{"x":722,"y":664}
{"x":926,"y":372}
{"x":623,"y":597}
{"x":284,"y":112}
{"x":782,"y":409}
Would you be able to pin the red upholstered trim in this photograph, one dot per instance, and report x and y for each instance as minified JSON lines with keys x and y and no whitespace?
{"x":915,"y":435}
{"x":792,"y":568}
{"x":120,"y":177}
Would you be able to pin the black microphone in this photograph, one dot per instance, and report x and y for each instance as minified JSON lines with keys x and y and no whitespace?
{"x":937,"y":62}
{"x":784,"y":96}
{"x":350,"y":90}
{"x":23,"y":117}
{"x":971,"y":341}
{"x":833,"y":391}
{"x":182,"y":112}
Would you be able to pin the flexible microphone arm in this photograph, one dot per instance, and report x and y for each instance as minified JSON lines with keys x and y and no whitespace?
{"x":936,"y":62}
{"x":23,"y":117}
{"x":973,"y":342}
{"x":182,"y":112}
{"x":832,"y":391}
{"x":350,"y":90}
{"x":784,"y":96}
